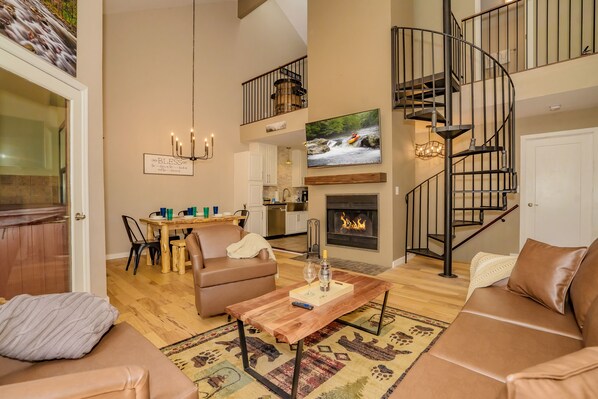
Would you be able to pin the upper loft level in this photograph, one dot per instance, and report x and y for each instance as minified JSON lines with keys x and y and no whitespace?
{"x":526,"y":34}
{"x":548,"y":47}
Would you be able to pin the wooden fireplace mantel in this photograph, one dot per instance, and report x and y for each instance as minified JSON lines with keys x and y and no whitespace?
{"x":355,"y":178}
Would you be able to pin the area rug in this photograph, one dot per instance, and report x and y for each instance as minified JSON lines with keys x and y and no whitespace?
{"x":338,"y":362}
{"x":349,"y":265}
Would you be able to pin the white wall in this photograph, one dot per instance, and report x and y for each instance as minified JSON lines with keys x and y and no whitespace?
{"x":148,"y":94}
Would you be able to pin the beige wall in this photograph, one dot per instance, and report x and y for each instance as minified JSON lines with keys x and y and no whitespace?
{"x":148,"y":94}
{"x":349,"y":61}
{"x":503,"y":238}
{"x":89,"y":72}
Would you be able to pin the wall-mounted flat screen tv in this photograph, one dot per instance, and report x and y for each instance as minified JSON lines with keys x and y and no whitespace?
{"x":345,"y":140}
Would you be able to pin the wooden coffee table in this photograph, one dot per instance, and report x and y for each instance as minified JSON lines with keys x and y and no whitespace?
{"x":273,"y":313}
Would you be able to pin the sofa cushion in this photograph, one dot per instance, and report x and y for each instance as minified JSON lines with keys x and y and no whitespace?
{"x":434,"y":378}
{"x":53,"y":326}
{"x":590,"y":330}
{"x":225,"y":270}
{"x":544,"y":273}
{"x":584,"y":288}
{"x":121,"y":346}
{"x":213,"y":240}
{"x":497,"y":349}
{"x":501,"y":304}
{"x":571,"y":376}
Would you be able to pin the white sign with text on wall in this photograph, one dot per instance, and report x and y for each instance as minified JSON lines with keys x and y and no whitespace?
{"x":155,"y":164}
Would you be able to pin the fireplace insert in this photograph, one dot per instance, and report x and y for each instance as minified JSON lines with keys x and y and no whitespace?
{"x":352,"y":220}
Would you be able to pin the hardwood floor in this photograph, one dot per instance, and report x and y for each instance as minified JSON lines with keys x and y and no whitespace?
{"x":162,"y":306}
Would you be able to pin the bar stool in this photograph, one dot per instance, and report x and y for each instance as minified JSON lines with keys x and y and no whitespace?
{"x":179,"y":256}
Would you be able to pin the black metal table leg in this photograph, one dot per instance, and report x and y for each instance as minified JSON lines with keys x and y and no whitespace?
{"x":380,"y":322}
{"x":297,"y":369}
{"x":243,"y":343}
{"x":260,"y":378}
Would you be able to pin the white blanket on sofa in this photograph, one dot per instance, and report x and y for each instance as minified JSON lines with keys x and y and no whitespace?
{"x":486,"y":269}
{"x":248,"y":247}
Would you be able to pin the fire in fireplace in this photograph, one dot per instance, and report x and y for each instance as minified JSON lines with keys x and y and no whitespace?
{"x":350,"y":224}
{"x":352,"y":220}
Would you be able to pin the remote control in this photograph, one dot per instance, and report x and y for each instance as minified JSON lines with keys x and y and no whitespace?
{"x":303,"y":305}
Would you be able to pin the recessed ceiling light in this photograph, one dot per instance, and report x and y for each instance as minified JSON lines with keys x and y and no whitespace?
{"x":555,"y":107}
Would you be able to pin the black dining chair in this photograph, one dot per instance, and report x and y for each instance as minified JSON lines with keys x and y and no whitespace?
{"x":139,"y":243}
{"x":185,"y":232}
{"x":242,"y":212}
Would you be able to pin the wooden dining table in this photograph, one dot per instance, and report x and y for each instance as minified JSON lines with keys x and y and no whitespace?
{"x":177,"y":223}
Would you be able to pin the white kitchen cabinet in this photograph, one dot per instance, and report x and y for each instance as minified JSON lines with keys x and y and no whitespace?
{"x":255,"y":222}
{"x":296,"y":222}
{"x":302,"y":222}
{"x":299,"y":168}
{"x":269,"y":156}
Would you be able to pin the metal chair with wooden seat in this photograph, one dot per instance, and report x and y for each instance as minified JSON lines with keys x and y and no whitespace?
{"x":242,"y":212}
{"x":139,"y":243}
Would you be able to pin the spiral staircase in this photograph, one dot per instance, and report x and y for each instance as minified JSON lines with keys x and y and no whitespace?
{"x":472,"y":108}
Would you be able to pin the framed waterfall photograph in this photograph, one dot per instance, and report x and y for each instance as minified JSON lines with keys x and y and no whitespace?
{"x":352,"y":139}
{"x":47,"y":28}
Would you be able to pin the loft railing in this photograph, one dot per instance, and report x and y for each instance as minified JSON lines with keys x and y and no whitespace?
{"x":525,"y":34}
{"x":281,"y":90}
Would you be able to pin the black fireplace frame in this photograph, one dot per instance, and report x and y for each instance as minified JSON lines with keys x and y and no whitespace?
{"x":352,"y":202}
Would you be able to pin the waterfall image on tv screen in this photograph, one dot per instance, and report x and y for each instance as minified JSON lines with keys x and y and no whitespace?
{"x":345,"y":140}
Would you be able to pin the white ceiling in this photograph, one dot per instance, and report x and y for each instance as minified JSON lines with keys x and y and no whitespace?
{"x":119,"y":6}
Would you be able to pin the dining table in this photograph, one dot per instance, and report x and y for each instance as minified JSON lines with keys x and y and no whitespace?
{"x":178,"y":223}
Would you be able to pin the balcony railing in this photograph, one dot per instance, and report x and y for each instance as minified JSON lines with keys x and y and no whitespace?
{"x":279,"y":91}
{"x":525,"y":34}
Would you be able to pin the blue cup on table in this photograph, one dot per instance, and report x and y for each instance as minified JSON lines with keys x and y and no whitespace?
{"x":190,"y":211}
{"x":163,"y":212}
{"x":215,"y":210}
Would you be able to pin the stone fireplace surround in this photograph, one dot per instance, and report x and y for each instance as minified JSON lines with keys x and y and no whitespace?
{"x":352,"y":220}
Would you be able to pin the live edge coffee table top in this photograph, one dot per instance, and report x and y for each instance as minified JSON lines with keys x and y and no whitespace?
{"x":274,"y":314}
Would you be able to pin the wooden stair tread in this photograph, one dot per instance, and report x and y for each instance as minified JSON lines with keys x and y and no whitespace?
{"x":425,"y":252}
{"x":477,"y":150}
{"x":452,"y":131}
{"x":425,"y":115}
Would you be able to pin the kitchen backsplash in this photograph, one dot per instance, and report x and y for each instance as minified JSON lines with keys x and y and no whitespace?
{"x":284,"y":179}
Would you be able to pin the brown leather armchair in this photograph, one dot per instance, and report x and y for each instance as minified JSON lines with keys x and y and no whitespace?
{"x":221,"y":281}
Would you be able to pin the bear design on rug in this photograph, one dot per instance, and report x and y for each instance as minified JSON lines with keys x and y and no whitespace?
{"x":369,"y":350}
{"x":255,"y":346}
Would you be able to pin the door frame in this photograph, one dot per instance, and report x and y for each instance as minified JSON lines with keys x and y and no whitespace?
{"x":19,"y":61}
{"x":523,"y":200}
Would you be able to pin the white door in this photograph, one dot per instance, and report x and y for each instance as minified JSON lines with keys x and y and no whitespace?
{"x":557,"y":187}
{"x":63,"y":157}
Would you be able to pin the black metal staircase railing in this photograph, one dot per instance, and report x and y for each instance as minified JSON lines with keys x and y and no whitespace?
{"x":525,"y":34}
{"x":482,"y":132}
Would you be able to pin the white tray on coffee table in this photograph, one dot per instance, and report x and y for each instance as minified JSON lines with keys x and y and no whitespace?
{"x":337,"y":289}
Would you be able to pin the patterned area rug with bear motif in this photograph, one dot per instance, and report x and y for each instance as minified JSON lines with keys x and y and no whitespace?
{"x":338,"y":361}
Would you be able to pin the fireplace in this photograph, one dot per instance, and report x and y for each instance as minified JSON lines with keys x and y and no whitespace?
{"x":352,"y":220}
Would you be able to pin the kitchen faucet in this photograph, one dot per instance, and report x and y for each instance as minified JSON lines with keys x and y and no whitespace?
{"x":283,"y":196}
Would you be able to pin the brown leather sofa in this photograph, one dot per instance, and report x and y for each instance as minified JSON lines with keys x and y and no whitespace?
{"x":122,"y":365}
{"x":221,"y":281}
{"x":499,"y":334}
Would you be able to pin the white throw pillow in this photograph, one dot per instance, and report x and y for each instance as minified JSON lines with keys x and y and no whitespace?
{"x":54,"y":326}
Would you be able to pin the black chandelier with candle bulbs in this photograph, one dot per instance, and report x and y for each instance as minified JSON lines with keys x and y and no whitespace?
{"x":176,"y":144}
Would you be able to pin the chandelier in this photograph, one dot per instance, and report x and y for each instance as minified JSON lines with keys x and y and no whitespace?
{"x":175,"y":143}
{"x":430,"y":149}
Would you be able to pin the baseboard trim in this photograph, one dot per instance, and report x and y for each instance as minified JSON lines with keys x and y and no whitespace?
{"x":117,"y":255}
{"x":401,"y":260}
